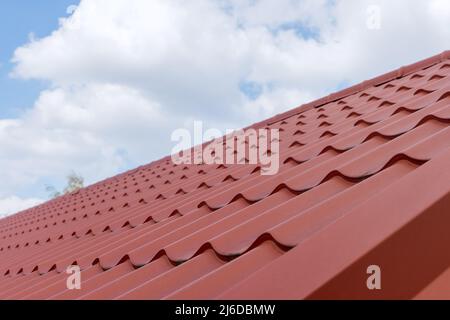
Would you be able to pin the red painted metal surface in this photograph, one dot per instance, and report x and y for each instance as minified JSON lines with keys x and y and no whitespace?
{"x":364,"y":180}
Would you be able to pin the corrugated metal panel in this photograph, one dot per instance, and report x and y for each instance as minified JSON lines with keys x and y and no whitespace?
{"x":364,"y":179}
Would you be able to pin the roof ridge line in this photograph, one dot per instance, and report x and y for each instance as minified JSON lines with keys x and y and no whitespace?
{"x":389,"y":76}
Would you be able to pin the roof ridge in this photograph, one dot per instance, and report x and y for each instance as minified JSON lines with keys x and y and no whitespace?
{"x":389,"y":76}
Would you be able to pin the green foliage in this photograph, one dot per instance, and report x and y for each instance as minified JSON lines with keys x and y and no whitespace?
{"x":74,"y":183}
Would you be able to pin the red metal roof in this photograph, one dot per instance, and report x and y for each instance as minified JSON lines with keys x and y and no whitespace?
{"x":365,"y":180}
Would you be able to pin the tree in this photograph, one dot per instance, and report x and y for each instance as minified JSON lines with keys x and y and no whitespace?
{"x":74,"y":183}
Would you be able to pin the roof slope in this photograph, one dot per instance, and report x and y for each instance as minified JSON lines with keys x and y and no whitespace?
{"x":365,"y":180}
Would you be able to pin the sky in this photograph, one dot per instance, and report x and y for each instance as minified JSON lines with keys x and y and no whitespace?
{"x":20,"y":20}
{"x":98,"y":86}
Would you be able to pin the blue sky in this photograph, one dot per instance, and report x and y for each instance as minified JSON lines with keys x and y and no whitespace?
{"x":18,"y":19}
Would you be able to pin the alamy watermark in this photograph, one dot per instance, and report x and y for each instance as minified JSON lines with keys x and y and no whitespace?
{"x":212,"y":146}
{"x":373,"y":21}
{"x":73,"y":282}
{"x":374,"y":280}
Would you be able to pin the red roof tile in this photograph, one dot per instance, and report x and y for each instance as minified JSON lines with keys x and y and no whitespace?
{"x":364,"y":180}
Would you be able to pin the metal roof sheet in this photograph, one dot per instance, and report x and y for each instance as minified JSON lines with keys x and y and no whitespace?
{"x":364,"y":179}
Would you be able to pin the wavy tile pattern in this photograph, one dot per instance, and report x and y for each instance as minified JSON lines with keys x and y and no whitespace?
{"x":364,"y":179}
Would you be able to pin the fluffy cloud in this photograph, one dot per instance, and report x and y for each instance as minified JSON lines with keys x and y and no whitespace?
{"x":124,"y":74}
{"x":93,"y":129}
{"x":15,"y":204}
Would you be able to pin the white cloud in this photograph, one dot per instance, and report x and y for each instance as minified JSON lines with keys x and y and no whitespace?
{"x":13,"y":204}
{"x":92,"y":129}
{"x":124,"y":74}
